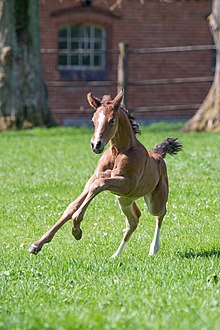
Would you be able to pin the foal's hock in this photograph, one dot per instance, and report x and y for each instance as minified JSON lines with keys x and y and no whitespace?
{"x":126,"y":169}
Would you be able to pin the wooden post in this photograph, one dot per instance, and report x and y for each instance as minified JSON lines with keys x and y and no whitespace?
{"x":123,"y":70}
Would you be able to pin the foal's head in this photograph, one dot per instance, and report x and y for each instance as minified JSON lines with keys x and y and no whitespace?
{"x":104,"y":119}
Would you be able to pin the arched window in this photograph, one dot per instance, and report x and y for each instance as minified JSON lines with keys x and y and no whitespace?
{"x":82,"y":47}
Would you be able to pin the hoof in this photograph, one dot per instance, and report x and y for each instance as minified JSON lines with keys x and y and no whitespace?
{"x":77,"y":233}
{"x":34,"y":248}
{"x":154,"y":248}
{"x":114,"y":256}
{"x":153,"y":253}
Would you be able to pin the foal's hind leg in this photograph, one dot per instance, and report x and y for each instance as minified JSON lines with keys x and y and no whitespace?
{"x":156,"y":203}
{"x":155,"y":244}
{"x":132,"y":213}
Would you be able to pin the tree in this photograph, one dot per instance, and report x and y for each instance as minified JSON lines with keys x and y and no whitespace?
{"x":207,"y":118}
{"x":23,"y":94}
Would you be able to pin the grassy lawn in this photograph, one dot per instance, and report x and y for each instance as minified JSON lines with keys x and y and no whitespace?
{"x":73,"y":284}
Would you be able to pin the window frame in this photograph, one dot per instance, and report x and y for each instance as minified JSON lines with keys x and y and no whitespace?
{"x":68,"y":52}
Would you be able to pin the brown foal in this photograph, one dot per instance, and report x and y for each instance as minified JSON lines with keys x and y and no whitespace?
{"x":126,"y":169}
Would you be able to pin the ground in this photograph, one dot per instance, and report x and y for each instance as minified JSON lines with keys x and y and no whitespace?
{"x":74,"y":284}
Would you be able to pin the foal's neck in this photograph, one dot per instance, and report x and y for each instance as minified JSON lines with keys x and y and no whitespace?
{"x":124,"y":137}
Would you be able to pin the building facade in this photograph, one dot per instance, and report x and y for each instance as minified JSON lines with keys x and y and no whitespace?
{"x":169,"y":73}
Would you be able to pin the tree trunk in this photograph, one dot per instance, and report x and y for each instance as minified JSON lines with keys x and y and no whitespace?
{"x":207,"y":118}
{"x":23,"y":94}
{"x":7,"y":64}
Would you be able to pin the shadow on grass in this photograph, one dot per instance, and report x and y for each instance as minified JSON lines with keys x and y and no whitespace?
{"x":200,"y":254}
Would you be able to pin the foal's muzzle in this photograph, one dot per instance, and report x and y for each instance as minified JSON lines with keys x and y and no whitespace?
{"x":97,"y":147}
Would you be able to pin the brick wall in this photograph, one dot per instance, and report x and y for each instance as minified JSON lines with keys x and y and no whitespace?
{"x":155,"y":24}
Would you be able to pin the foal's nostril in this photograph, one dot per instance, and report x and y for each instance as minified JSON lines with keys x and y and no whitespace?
{"x":98,"y":144}
{"x":97,"y":147}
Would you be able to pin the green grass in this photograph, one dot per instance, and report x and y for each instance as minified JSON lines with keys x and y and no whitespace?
{"x":73,"y":284}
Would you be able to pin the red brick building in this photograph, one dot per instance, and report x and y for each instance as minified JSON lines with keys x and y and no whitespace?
{"x":80,"y":54}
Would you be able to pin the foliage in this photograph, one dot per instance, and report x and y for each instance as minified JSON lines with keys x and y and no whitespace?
{"x":73,"y":284}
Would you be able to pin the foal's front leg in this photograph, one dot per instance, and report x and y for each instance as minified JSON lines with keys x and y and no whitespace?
{"x":118,"y":184}
{"x":67,"y":215}
{"x":132,"y":213}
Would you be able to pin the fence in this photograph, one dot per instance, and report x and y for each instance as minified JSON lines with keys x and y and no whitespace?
{"x":127,"y":77}
{"x":123,"y":77}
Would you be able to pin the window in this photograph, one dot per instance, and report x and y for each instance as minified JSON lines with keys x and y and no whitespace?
{"x":81,"y":47}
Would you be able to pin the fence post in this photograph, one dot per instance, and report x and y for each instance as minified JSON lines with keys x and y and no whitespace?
{"x":123,"y":70}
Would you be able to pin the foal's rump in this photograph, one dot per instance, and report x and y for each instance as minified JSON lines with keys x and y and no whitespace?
{"x":156,"y":200}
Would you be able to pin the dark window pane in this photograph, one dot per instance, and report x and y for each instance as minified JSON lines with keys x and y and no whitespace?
{"x":97,"y":45}
{"x":74,"y":45}
{"x":74,"y":60}
{"x":82,"y":32}
{"x":62,"y":60}
{"x":88,"y":31}
{"x":86,"y":60}
{"x":85,"y":45}
{"x":98,"y":33}
{"x":97,"y":60}
{"x":63,"y":33}
{"x":75,"y":31}
{"x":62,"y":45}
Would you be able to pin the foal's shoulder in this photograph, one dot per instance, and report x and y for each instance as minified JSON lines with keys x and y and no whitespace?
{"x":105,"y":161}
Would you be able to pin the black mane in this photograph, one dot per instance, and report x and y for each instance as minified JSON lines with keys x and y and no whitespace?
{"x":134,"y":124}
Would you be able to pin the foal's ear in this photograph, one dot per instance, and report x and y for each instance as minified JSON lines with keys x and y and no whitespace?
{"x":117,"y":100}
{"x":93,"y":101}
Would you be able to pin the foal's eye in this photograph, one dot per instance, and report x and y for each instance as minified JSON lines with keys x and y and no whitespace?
{"x":112,"y":121}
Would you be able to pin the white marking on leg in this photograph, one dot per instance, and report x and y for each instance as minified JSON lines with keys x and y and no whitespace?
{"x":119,"y":250}
{"x":155,"y":245}
{"x":101,"y":120}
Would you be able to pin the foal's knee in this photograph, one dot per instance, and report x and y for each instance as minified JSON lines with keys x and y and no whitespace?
{"x":136,"y":210}
{"x":71,"y":208}
{"x":157,"y":212}
{"x":130,"y":228}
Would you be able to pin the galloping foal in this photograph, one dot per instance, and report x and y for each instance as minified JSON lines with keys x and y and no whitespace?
{"x":126,"y":169}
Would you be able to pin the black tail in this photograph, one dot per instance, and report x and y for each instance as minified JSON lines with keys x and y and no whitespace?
{"x":169,"y":146}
